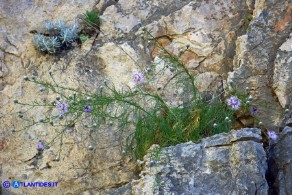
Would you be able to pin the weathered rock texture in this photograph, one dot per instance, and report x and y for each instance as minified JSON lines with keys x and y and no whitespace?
{"x":283,"y":72}
{"x":280,"y":158}
{"x":103,"y":169}
{"x":261,"y":54}
{"x":232,"y":163}
{"x":245,"y":43}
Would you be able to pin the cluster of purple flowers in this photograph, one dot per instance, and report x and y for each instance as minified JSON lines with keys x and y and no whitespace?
{"x":62,"y":108}
{"x":233,"y":102}
{"x":138,"y":78}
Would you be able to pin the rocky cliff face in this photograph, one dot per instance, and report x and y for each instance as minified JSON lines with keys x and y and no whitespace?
{"x":257,"y":60}
{"x":232,"y":43}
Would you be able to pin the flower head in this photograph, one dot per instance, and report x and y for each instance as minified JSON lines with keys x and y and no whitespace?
{"x":272,"y":135}
{"x":254,"y":110}
{"x":138,"y":78}
{"x":62,"y":108}
{"x":234,"y":102}
{"x":87,"y":108}
{"x":153,"y":163}
{"x":40,"y":145}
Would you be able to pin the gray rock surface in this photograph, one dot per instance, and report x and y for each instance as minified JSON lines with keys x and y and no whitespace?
{"x":280,"y":158}
{"x":283,"y":73}
{"x":233,"y":163}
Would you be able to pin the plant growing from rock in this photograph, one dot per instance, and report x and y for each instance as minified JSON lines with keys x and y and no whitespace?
{"x":83,"y":37}
{"x":55,"y":37}
{"x":68,"y":35}
{"x":91,"y":22}
{"x":92,"y":18}
{"x":46,"y":44}
{"x":152,"y":118}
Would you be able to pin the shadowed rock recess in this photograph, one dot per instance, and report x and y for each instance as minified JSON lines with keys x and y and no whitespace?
{"x":232,"y":43}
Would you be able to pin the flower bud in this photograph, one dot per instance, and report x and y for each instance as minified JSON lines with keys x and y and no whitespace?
{"x":57,"y":158}
{"x":90,"y":147}
{"x":88,"y":98}
{"x":172,"y":69}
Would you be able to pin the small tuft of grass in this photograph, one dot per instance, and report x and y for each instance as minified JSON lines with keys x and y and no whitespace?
{"x":92,"y":18}
{"x":177,"y":125}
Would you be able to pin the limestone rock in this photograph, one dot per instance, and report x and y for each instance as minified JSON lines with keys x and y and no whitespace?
{"x":118,"y":63}
{"x":78,"y":169}
{"x":283,"y":73}
{"x":280,"y":158}
{"x":233,"y":163}
{"x":256,"y":61}
{"x":207,"y":81}
{"x":210,"y":35}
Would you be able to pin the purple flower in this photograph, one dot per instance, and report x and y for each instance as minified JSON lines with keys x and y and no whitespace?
{"x":62,"y":107}
{"x":138,"y":78}
{"x":153,"y":163}
{"x":234,"y":102}
{"x":40,"y":145}
{"x":254,"y":110}
{"x":87,"y":108}
{"x":272,"y":135}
